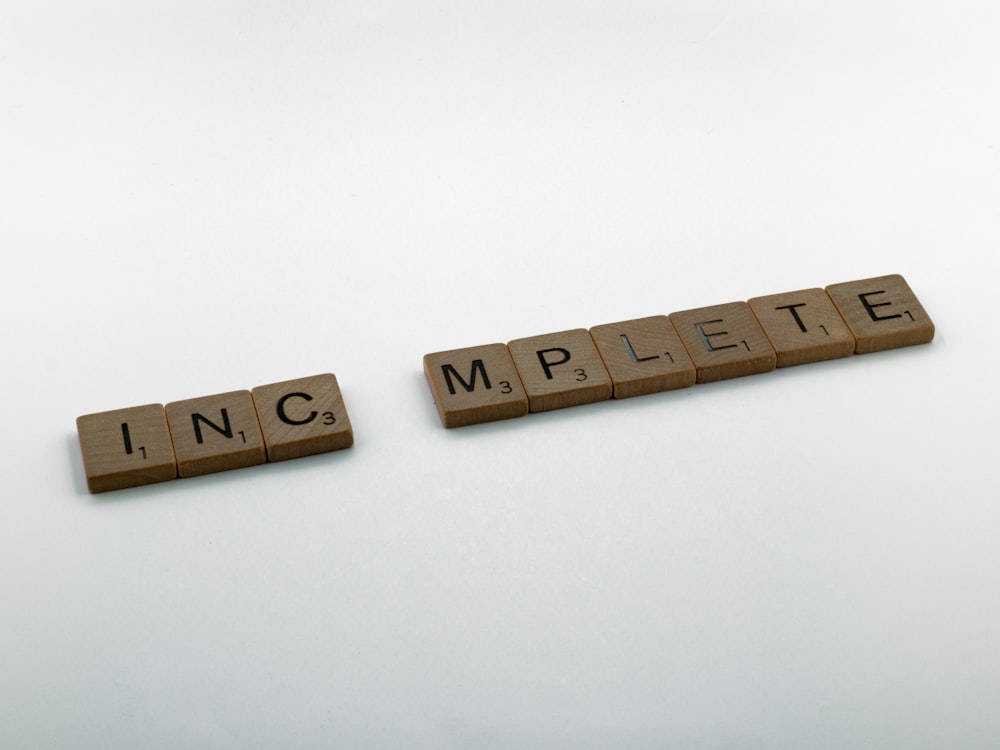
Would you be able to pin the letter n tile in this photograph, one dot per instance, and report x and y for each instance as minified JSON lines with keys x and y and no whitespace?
{"x":215,"y":433}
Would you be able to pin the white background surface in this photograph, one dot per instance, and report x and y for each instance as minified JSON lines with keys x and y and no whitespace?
{"x":207,"y":196}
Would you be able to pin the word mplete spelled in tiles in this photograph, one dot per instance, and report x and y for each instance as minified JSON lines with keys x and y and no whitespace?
{"x":152,"y":443}
{"x":664,"y":352}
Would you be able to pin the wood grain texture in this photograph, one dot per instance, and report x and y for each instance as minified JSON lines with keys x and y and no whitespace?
{"x":560,"y":370}
{"x":474,"y":385}
{"x":882,"y":312}
{"x":644,"y":355}
{"x":803,"y":326}
{"x":215,"y":433}
{"x":126,"y":448}
{"x":724,"y":341}
{"x":302,"y":417}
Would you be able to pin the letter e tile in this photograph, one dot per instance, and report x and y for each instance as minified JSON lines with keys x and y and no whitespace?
{"x":215,"y":433}
{"x":883,"y":313}
{"x":643,"y":356}
{"x":724,"y":341}
{"x":560,"y":369}
{"x":126,"y":448}
{"x":302,"y":417}
{"x":803,"y":326}
{"x":474,"y":385}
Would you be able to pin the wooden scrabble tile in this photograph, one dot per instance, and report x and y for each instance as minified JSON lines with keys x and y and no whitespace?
{"x":560,"y":369}
{"x":474,"y":385}
{"x":126,"y":448}
{"x":803,"y":326}
{"x":215,"y":433}
{"x":724,"y":341}
{"x":883,"y":313}
{"x":302,"y":417}
{"x":643,"y":356}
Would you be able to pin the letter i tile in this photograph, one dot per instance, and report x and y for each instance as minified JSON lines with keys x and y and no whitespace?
{"x":883,"y":313}
{"x":561,"y":369}
{"x":215,"y":433}
{"x":126,"y":448}
{"x":474,"y":385}
{"x":303,"y":417}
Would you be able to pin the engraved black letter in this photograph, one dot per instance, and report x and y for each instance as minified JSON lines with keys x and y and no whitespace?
{"x":477,"y":365}
{"x":871,"y":308}
{"x":548,"y":365}
{"x":795,"y":314}
{"x":631,"y":351}
{"x":706,"y":336}
{"x":285,"y":418}
{"x":227,"y":431}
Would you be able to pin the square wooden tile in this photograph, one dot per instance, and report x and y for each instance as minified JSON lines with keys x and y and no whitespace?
{"x":215,"y":433}
{"x":560,"y":369}
{"x":302,"y":417}
{"x":724,"y":341}
{"x":126,"y":448}
{"x":803,"y":326}
{"x":643,"y":356}
{"x":474,"y":385}
{"x":883,"y":313}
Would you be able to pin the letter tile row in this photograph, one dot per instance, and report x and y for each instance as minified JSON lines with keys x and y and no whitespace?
{"x":663,"y":352}
{"x":152,"y":443}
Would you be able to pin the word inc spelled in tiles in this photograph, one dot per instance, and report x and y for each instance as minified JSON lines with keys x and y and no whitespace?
{"x":665,"y":352}
{"x":146,"y":444}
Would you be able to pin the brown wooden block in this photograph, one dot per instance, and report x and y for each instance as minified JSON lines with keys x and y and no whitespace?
{"x":302,"y":417}
{"x":724,"y":341}
{"x":643,"y":356}
{"x":474,"y":385}
{"x":126,"y":448}
{"x":883,"y":313}
{"x":560,"y":369}
{"x":803,"y":326}
{"x":215,"y":433}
